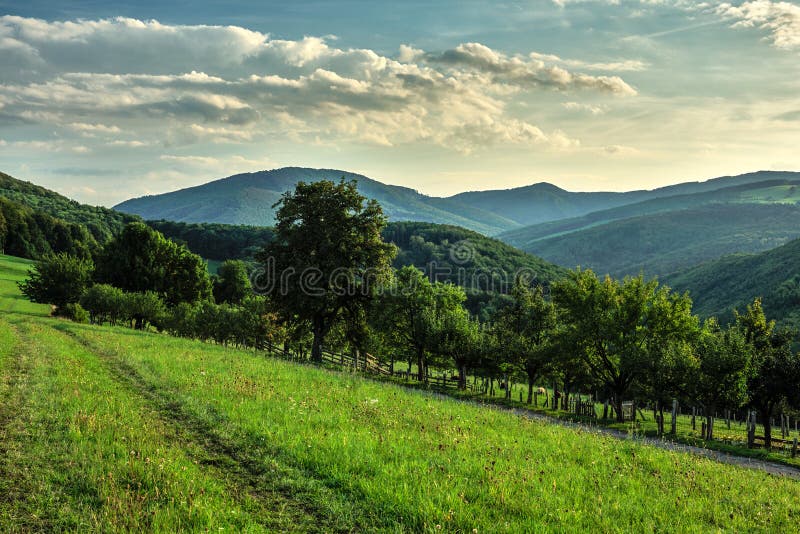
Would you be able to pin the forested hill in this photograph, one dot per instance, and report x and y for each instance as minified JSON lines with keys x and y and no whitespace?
{"x":101,"y":222}
{"x":248,"y":199}
{"x":664,"y":243}
{"x":720,"y":286}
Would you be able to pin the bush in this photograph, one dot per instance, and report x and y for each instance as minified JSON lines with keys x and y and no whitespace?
{"x":74,"y":312}
{"x":104,"y":303}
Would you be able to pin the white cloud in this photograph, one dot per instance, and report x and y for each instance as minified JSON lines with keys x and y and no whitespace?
{"x":178,"y":85}
{"x":781,"y":19}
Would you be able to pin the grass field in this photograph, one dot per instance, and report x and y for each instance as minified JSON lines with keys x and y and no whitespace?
{"x":108,"y":429}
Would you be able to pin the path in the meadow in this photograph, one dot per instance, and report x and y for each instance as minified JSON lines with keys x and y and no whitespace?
{"x":719,"y":456}
{"x":722,"y":457}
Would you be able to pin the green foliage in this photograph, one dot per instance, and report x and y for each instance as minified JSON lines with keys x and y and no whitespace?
{"x":618,"y":327}
{"x":144,"y":308}
{"x":525,"y":331}
{"x":775,"y":367}
{"x":232,"y":284}
{"x":58,"y":279}
{"x":722,"y":369}
{"x":75,"y":312}
{"x":328,"y":236}
{"x":217,"y":241}
{"x":105,"y":303}
{"x":141,"y":259}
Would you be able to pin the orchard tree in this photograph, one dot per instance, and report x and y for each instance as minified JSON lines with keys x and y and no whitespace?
{"x":524,"y":330}
{"x":327,"y":254}
{"x":775,"y":368}
{"x":57,"y":279}
{"x":231,"y":284}
{"x":141,"y":259}
{"x":615,"y":326}
{"x":453,"y":334}
{"x":721,"y":370}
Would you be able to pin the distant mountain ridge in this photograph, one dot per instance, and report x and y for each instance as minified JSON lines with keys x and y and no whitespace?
{"x":248,"y":199}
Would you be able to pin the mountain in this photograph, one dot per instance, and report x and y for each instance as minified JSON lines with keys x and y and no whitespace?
{"x":665,"y":242}
{"x":720,"y":286}
{"x":543,"y":202}
{"x":248,"y":199}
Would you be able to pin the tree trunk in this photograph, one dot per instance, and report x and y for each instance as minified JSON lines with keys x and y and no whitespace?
{"x":421,"y":364}
{"x":709,"y":427}
{"x":530,"y":390}
{"x":462,"y":377}
{"x":316,"y":344}
{"x":767,"y":422}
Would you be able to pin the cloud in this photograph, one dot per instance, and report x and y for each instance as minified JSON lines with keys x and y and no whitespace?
{"x":586,"y":108}
{"x":781,"y":19}
{"x":179,"y":85}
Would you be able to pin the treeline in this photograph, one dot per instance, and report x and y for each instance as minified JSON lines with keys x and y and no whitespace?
{"x":327,"y":281}
{"x":29,"y":233}
{"x":217,"y":241}
{"x":101,"y":223}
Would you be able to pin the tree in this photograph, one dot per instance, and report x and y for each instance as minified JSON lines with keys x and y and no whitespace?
{"x":141,"y":259}
{"x":616,"y":326}
{"x":144,"y":308}
{"x":231,"y":284}
{"x":327,"y":255}
{"x":775,"y":368}
{"x":452,"y":333}
{"x":58,"y":279}
{"x":401,"y":313}
{"x":525,"y":329}
{"x":104,"y":303}
{"x":721,"y":370}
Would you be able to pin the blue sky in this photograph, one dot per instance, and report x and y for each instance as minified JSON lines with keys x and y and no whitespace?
{"x":108,"y":100}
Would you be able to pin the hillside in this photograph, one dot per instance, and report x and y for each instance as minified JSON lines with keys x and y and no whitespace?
{"x":117,"y":430}
{"x":248,"y":199}
{"x":663,"y":243}
{"x":543,"y":202}
{"x":101,"y":222}
{"x":717,"y":287}
{"x":773,"y":191}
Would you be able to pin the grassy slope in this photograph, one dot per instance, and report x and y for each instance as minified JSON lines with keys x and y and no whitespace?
{"x":116,"y":429}
{"x":664,"y":243}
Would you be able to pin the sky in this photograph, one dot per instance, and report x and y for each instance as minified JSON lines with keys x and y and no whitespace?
{"x":109,"y":100}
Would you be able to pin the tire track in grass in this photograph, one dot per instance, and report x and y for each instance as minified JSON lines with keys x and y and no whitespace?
{"x":246,"y":471}
{"x":15,"y":371}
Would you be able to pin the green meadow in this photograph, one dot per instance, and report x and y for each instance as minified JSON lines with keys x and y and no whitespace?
{"x":110,"y":429}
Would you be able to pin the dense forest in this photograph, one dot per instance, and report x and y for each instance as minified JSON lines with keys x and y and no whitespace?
{"x":102,"y":223}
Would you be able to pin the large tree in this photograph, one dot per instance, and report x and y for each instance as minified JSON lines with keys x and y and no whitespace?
{"x":327,"y":256}
{"x":141,"y":259}
{"x":617,"y":326}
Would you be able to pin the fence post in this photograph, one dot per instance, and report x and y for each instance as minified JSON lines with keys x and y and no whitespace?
{"x":751,"y":430}
{"x":794,"y":447}
{"x":703,"y":430}
{"x":694,"y":413}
